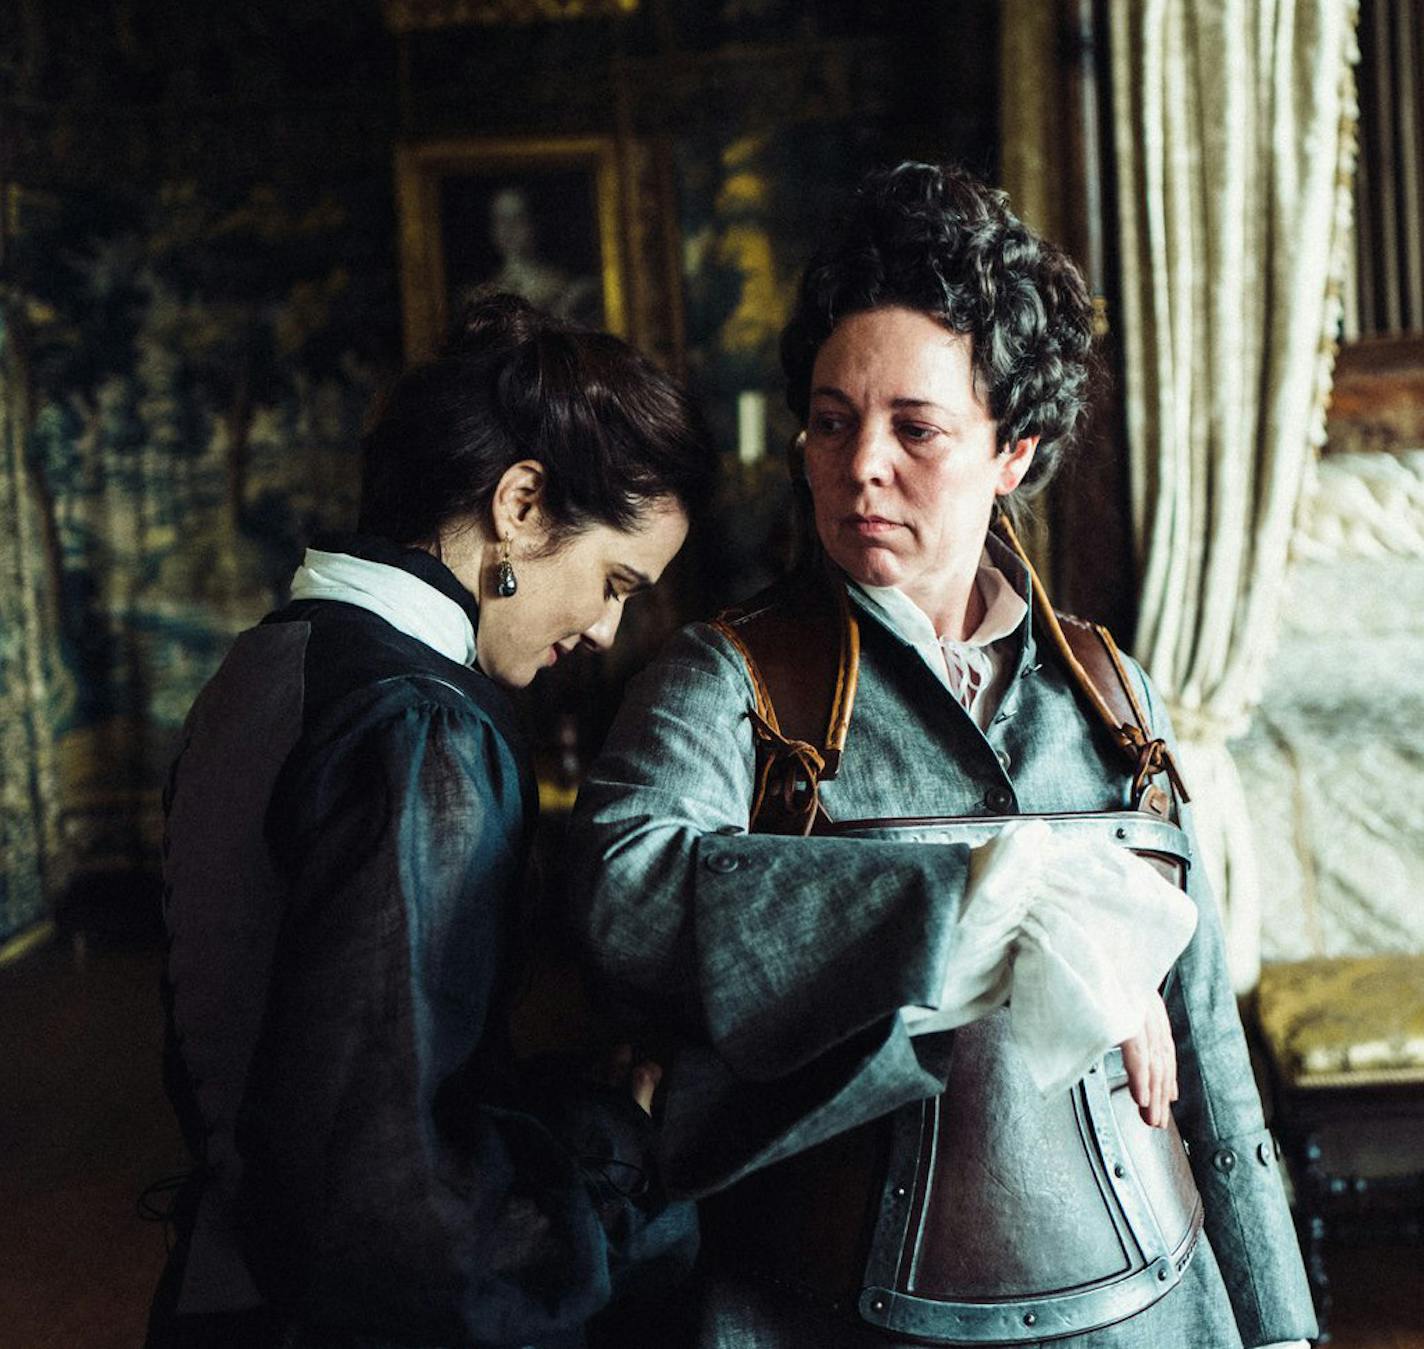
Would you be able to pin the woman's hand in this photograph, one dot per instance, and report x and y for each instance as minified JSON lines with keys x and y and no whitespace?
{"x":641,"y":1078}
{"x":643,"y":1082}
{"x":1150,"y":1058}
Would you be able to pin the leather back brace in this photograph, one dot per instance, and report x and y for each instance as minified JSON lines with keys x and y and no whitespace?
{"x":887,"y":1218}
{"x":801,"y":646}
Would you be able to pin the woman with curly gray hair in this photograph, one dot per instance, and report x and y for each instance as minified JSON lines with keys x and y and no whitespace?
{"x":905,"y":860}
{"x":936,"y":242}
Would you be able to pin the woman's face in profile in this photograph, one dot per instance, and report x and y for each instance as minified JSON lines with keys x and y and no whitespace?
{"x":902,"y":455}
{"x":571,"y":597}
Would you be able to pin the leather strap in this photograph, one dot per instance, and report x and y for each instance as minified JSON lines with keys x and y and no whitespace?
{"x":801,"y":645}
{"x":1097,"y":667}
{"x":1100,"y":668}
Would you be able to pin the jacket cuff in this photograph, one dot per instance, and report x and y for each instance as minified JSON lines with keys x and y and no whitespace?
{"x":1250,"y":1227}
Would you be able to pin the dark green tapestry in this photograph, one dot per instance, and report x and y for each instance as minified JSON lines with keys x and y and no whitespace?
{"x":201,"y":299}
{"x":198,"y":365}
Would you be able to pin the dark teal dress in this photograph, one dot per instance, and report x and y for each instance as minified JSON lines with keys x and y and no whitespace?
{"x":348,"y":828}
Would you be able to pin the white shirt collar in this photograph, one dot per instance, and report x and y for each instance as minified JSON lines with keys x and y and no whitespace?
{"x":407,"y":603}
{"x":971,"y":669}
{"x":1004,"y":609}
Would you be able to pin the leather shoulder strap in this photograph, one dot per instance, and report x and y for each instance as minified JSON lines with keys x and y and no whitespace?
{"x":801,"y":645}
{"x":1096,"y":664}
{"x":1097,"y":653}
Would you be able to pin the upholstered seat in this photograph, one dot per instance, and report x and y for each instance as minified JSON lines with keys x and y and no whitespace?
{"x":1343,"y":1043}
{"x":1344,"y":1022}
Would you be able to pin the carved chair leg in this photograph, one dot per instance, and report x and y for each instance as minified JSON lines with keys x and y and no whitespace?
{"x":1312,"y":1189}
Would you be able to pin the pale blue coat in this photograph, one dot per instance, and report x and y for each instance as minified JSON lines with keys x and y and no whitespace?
{"x":784,"y":962}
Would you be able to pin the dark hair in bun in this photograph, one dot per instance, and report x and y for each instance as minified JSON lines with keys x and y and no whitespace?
{"x":935,"y":239}
{"x":612,"y":431}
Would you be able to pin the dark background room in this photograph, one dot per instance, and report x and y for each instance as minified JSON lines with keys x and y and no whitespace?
{"x":225,"y":226}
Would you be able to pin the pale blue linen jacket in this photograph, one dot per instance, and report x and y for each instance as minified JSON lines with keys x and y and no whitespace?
{"x":784,"y":962}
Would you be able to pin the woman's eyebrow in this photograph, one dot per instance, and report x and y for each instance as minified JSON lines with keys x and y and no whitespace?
{"x":903,"y":401}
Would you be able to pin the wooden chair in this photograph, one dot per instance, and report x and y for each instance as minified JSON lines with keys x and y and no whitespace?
{"x":1343,"y":1044}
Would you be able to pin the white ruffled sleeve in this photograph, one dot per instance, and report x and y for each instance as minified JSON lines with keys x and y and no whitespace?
{"x":1075,"y":934}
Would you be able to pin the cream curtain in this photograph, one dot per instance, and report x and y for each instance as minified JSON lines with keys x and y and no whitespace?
{"x":1234,"y":140}
{"x":28,"y":800}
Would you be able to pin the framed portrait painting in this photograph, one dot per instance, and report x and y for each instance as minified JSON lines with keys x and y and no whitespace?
{"x":537,"y":216}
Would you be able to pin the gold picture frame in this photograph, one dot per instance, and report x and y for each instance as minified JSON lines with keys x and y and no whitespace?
{"x":538,"y":215}
{"x":409,"y":16}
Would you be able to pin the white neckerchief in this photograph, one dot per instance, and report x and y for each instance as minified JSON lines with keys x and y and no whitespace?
{"x":407,"y":603}
{"x":972,"y":669}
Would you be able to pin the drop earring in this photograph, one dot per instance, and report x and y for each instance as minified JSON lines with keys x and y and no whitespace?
{"x":505,"y":582}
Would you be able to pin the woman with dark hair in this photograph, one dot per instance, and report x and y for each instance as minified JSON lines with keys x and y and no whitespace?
{"x":901,"y":853}
{"x":941,"y":245}
{"x":348,"y":824}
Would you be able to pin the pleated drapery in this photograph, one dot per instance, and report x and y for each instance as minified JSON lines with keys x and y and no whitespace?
{"x":1234,"y":124}
{"x":29,"y":806}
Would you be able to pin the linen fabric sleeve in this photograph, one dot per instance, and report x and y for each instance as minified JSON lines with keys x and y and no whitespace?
{"x":1233,"y":1155}
{"x":1075,"y":934}
{"x":397,"y":1180}
{"x":785,"y":961}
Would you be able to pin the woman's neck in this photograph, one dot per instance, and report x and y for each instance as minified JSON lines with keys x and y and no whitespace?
{"x":957,"y":610}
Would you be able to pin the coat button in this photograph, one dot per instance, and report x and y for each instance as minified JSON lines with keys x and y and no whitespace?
{"x":998,"y":799}
{"x":1223,"y":1159}
{"x":1006,"y":759}
{"x":723,"y":862}
{"x":1263,"y":1153}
